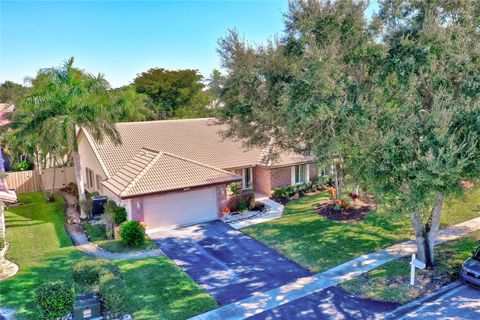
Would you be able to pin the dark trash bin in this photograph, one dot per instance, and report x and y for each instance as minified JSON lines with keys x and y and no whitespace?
{"x":97,"y":204}
{"x":87,"y":307}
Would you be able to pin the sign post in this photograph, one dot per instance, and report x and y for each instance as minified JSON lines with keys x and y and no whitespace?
{"x":415,"y":264}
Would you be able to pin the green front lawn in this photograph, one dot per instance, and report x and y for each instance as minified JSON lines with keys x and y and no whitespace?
{"x":318,"y":243}
{"x":160,"y":290}
{"x":97,"y":235}
{"x":391,"y":282}
{"x":39,"y":244}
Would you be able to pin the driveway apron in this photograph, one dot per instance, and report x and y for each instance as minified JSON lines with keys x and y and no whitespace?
{"x":227,"y":263}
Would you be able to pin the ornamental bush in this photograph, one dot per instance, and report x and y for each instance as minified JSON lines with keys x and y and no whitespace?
{"x":132,"y":233}
{"x":119,"y":213}
{"x":87,"y":272}
{"x":55,"y":299}
{"x":114,"y":294}
{"x":241,"y":202}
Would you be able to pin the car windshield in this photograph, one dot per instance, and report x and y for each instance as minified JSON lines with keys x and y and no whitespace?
{"x":476,"y":255}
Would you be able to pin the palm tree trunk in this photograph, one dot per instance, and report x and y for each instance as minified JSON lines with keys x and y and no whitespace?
{"x":54,"y":177}
{"x":2,"y":222}
{"x":78,"y":175}
{"x":38,"y":168}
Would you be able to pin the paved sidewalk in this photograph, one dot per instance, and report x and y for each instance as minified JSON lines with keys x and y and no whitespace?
{"x":263,"y":301}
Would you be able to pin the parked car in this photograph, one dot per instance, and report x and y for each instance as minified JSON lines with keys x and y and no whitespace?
{"x":470,"y":272}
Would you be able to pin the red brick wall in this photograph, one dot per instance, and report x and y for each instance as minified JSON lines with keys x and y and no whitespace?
{"x":261,"y":180}
{"x":313,"y":170}
{"x":280,"y":177}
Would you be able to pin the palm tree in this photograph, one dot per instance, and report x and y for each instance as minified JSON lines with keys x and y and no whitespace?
{"x":63,"y":100}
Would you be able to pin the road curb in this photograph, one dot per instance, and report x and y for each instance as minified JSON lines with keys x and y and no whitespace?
{"x":411,"y":306}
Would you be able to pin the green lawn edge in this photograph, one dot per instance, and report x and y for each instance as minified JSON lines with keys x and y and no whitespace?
{"x":318,"y":244}
{"x":39,"y":244}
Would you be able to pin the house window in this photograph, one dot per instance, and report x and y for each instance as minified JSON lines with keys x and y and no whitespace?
{"x":246,"y":178}
{"x":324,"y":171}
{"x":300,"y":174}
{"x":98,"y":179}
{"x":89,"y":174}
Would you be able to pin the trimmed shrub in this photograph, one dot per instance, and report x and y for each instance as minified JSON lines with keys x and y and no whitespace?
{"x":242,"y":206}
{"x":132,"y":233}
{"x":120,"y":215}
{"x":235,"y":188}
{"x":109,"y":219}
{"x":119,"y":212}
{"x":241,"y":202}
{"x":55,"y":299}
{"x":114,"y":294}
{"x":88,"y":272}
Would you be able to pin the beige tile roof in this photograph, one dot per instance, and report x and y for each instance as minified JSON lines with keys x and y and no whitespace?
{"x":153,"y":172}
{"x":196,"y":139}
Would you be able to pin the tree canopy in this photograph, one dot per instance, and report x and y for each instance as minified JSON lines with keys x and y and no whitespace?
{"x":11,"y":92}
{"x":173,"y":93}
{"x":396,"y":96}
{"x":63,"y":99}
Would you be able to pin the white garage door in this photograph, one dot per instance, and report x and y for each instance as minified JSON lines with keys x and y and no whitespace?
{"x":181,"y":208}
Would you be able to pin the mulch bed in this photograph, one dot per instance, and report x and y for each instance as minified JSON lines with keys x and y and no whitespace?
{"x":356,"y":212}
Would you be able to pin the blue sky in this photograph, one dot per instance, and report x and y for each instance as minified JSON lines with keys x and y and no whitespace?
{"x":123,"y":38}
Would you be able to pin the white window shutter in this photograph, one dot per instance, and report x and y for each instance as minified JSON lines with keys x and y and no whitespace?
{"x":307,"y":172}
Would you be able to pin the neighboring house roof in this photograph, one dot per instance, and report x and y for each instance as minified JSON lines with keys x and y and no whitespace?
{"x":151,"y":172}
{"x":195,"y":139}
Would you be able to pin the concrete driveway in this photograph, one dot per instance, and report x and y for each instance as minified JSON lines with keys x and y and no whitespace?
{"x":462,"y":303}
{"x":333,"y":303}
{"x":225,"y":262}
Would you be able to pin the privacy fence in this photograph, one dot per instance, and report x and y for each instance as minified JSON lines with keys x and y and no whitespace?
{"x":29,"y":181}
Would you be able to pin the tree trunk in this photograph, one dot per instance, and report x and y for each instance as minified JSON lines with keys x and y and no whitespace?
{"x":356,"y":189}
{"x":78,"y":175}
{"x":433,"y":224}
{"x":337,"y":182}
{"x":425,"y":234}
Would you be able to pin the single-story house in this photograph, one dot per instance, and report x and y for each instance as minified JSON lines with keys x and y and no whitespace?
{"x":175,"y":172}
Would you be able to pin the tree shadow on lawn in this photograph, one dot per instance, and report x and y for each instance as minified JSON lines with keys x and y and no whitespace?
{"x":39,"y":212}
{"x":318,"y":243}
{"x":18,"y":292}
{"x":158,"y":289}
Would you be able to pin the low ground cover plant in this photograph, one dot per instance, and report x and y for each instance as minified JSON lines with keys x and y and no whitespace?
{"x":105,"y":277}
{"x":285,"y":193}
{"x":55,"y":298}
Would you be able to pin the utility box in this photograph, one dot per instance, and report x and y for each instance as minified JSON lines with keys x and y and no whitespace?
{"x":97,"y":204}
{"x":87,"y":307}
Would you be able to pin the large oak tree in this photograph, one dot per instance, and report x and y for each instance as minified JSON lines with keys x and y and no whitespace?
{"x":396,"y":96}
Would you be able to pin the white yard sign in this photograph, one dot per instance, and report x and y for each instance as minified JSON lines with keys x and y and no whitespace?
{"x":415,"y":264}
